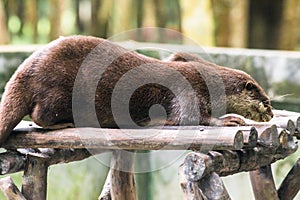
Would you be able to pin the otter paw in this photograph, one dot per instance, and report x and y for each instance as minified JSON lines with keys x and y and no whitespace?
{"x":230,"y":121}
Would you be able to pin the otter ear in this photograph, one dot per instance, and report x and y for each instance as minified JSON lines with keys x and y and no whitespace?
{"x":183,"y":57}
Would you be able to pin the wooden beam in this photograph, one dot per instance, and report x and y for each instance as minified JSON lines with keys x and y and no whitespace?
{"x":10,"y":190}
{"x":218,"y":138}
{"x":263,"y":184}
{"x":14,"y":161}
{"x":227,"y":162}
{"x":106,"y":190}
{"x":34,"y":184}
{"x":291,"y":184}
{"x":122,"y":176}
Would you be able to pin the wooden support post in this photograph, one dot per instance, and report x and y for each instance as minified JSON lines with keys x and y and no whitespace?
{"x":122,"y":176}
{"x":106,"y":194}
{"x":190,"y":189}
{"x":11,"y":162}
{"x":198,"y":181}
{"x":291,"y":184}
{"x":263,"y":184}
{"x":212,"y":187}
{"x":34,"y":185}
{"x":10,"y":190}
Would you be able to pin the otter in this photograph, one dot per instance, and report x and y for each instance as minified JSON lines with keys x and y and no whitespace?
{"x":53,"y":87}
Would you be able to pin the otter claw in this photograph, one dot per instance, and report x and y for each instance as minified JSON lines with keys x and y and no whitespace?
{"x":230,"y":121}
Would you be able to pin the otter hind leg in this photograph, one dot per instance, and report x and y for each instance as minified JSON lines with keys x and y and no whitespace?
{"x":51,"y":118}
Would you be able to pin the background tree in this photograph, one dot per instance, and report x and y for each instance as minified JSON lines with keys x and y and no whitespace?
{"x":4,"y":35}
{"x":56,"y":8}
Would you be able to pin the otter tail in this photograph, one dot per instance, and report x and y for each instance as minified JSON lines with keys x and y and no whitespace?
{"x":13,"y":107}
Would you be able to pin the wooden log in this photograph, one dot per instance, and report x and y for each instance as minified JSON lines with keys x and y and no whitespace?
{"x":196,"y":165}
{"x":34,"y":184}
{"x":291,"y":127}
{"x":250,"y":137}
{"x":249,"y":132}
{"x":263,"y":184}
{"x":291,"y":184}
{"x":269,"y":137}
{"x":106,"y":194}
{"x":130,"y":139}
{"x":281,"y":118}
{"x":228,"y":162}
{"x":13,"y":161}
{"x":297,"y":130}
{"x":10,"y":190}
{"x":212,"y":187}
{"x":122,"y":176}
{"x":190,"y":189}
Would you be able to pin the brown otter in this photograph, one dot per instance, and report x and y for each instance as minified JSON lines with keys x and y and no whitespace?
{"x":54,"y":87}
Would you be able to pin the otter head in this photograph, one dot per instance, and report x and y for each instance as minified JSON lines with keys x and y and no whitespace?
{"x":246,"y":97}
{"x":243,"y":94}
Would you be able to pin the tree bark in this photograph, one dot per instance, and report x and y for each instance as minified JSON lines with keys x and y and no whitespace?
{"x":4,"y":34}
{"x":122,"y":176}
{"x":34,"y":185}
{"x":218,"y":138}
{"x":10,"y":190}
{"x":56,"y":8}
{"x":290,"y":186}
{"x":263,"y":184}
{"x":289,"y":29}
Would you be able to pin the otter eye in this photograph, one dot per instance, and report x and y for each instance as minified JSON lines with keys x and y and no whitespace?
{"x":249,"y":86}
{"x":266,"y":103}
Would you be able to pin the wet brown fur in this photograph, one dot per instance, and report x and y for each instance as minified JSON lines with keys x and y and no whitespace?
{"x":42,"y":87}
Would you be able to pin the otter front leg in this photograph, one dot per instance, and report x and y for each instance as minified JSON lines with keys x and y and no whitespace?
{"x":59,"y":126}
{"x":228,"y":121}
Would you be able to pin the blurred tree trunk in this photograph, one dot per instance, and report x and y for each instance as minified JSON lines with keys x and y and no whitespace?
{"x":178,"y":15}
{"x":139,"y":12}
{"x":264,"y":23}
{"x":289,"y":25}
{"x":221,"y":12}
{"x":56,"y":8}
{"x":21,"y":15}
{"x":124,"y":16}
{"x":140,"y":18}
{"x":31,"y":17}
{"x":4,"y":34}
{"x":79,"y":24}
{"x":239,"y":23}
{"x":168,"y":16}
{"x":15,"y":7}
{"x":160,"y":9}
{"x":101,"y":12}
{"x":230,"y":18}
